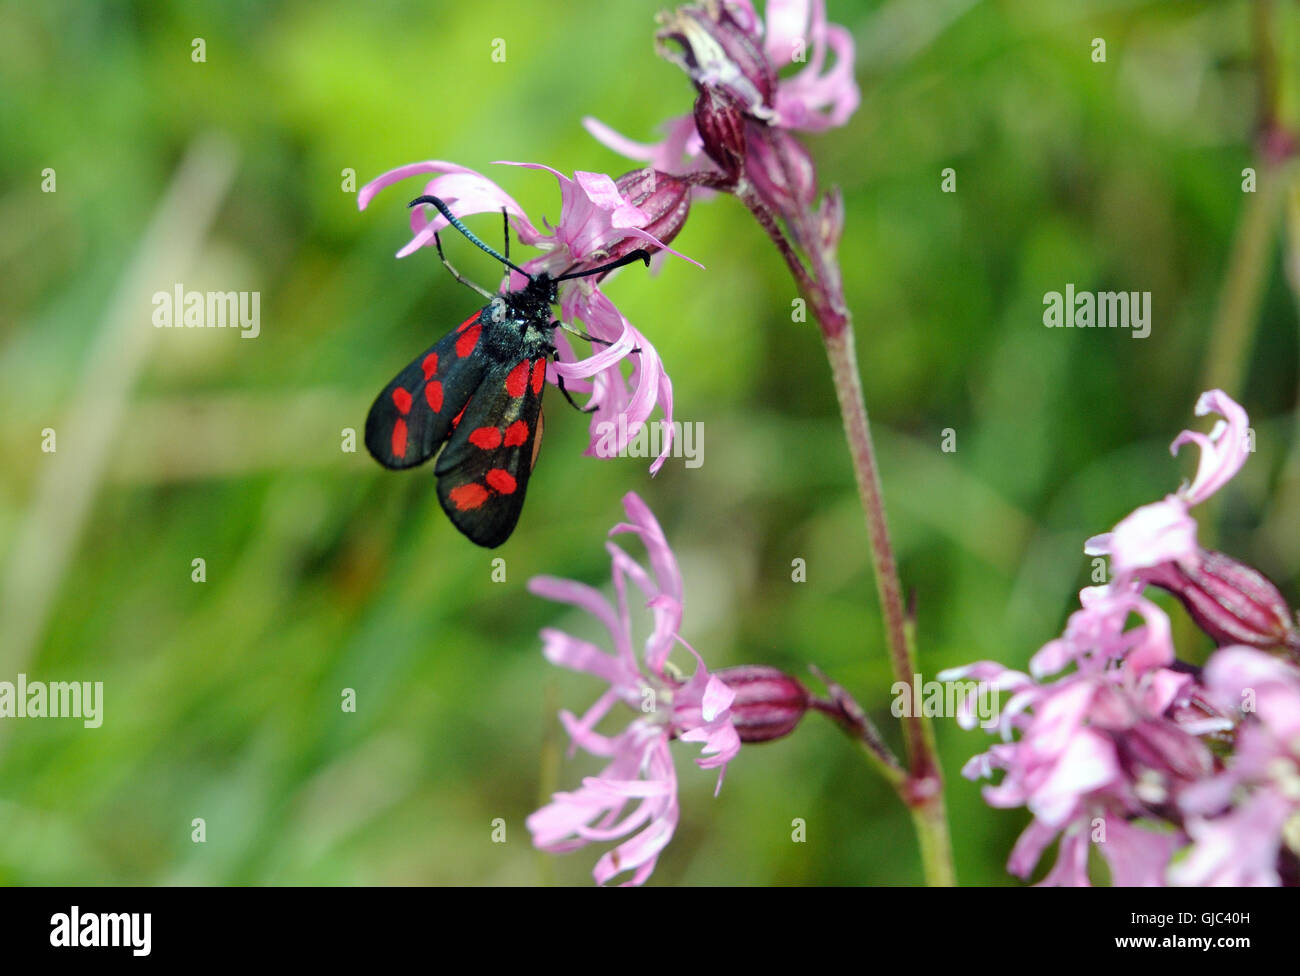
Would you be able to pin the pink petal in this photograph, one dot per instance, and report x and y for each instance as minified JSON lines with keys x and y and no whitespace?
{"x":579,"y":595}
{"x":1087,"y":764}
{"x":367,"y":192}
{"x":580,"y":729}
{"x":662,"y":560}
{"x":1029,"y":848}
{"x":1238,"y":849}
{"x":619,"y":143}
{"x":1153,"y":534}
{"x":579,"y":655}
{"x":463,"y":190}
{"x":717,"y":699}
{"x":666,"y":405}
{"x":800,"y":100}
{"x":1154,"y":646}
{"x":1223,"y":452}
{"x":1138,"y":858}
{"x":1071,"y":869}
{"x":640,"y":854}
{"x":787,"y":22}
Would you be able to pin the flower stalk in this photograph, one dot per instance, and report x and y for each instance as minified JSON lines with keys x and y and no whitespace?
{"x":739,"y":139}
{"x":822,"y":288}
{"x":744,"y":113}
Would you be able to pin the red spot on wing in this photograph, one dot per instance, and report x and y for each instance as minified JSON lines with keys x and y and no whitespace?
{"x":402,"y":400}
{"x":430,"y":364}
{"x":433,"y":393}
{"x":456,"y":421}
{"x":539,"y":375}
{"x":466,"y":324}
{"x":468,"y":340}
{"x":517,"y":381}
{"x":501,"y":480}
{"x":516,"y":434}
{"x":486,"y":438}
{"x":399,"y":439}
{"x":465,"y":497}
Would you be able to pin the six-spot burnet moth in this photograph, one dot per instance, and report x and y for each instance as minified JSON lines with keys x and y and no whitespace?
{"x":479,"y":391}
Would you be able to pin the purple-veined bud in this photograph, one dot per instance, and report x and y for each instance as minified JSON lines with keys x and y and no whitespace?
{"x":1230,"y":601}
{"x":722,"y":129}
{"x":768,"y":704}
{"x":665,"y":200}
{"x":830,"y":219}
{"x":719,"y":50}
{"x":1162,"y":747}
{"x":770,"y":152}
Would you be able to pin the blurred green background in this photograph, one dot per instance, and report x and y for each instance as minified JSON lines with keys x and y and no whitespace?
{"x":325,"y":572}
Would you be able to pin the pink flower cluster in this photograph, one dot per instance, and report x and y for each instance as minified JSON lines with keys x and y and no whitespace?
{"x":667,"y":706}
{"x":740,"y":134}
{"x":1107,"y":741}
{"x":744,"y":54}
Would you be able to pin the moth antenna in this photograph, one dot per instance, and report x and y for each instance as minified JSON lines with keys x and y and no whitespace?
{"x":638,"y":255}
{"x":455,"y":222}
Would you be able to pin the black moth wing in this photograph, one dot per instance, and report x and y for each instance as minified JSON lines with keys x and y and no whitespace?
{"x":483,"y":472}
{"x":418,"y":410}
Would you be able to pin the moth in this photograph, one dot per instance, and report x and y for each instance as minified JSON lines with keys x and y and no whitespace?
{"x":474,"y":398}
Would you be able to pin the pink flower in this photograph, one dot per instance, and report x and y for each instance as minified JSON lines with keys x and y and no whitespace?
{"x":1223,"y":451}
{"x":1165,"y":532}
{"x":598,"y":223}
{"x":640,"y":772}
{"x":1238,"y":849}
{"x":619,"y":405}
{"x":1109,"y":743}
{"x":1240,"y":819}
{"x":1157,"y":545}
{"x":1137,"y":857}
{"x":681,"y":151}
{"x":1114,"y":751}
{"x":815,"y":98}
{"x":1097,"y":635}
{"x":724,"y":47}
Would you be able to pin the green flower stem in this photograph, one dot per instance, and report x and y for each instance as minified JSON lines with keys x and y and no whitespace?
{"x":1237,"y":315}
{"x":1233,"y":332}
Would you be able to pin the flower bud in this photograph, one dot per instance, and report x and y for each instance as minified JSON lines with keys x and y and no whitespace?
{"x":1161,"y":746}
{"x":663,"y":199}
{"x":768,"y":702}
{"x":770,"y":152}
{"x":830,"y":219}
{"x":1229,"y":600}
{"x":722,"y":129}
{"x":720,"y":50}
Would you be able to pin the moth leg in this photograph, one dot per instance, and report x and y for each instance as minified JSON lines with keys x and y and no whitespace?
{"x":590,"y":338}
{"x":560,"y":382}
{"x":437,"y":242}
{"x":580,"y":334}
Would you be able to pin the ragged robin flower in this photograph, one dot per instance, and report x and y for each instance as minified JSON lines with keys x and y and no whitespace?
{"x":1157,"y":544}
{"x":1095,"y":753}
{"x":634,"y":798}
{"x":746,"y":110}
{"x":1177,"y":774}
